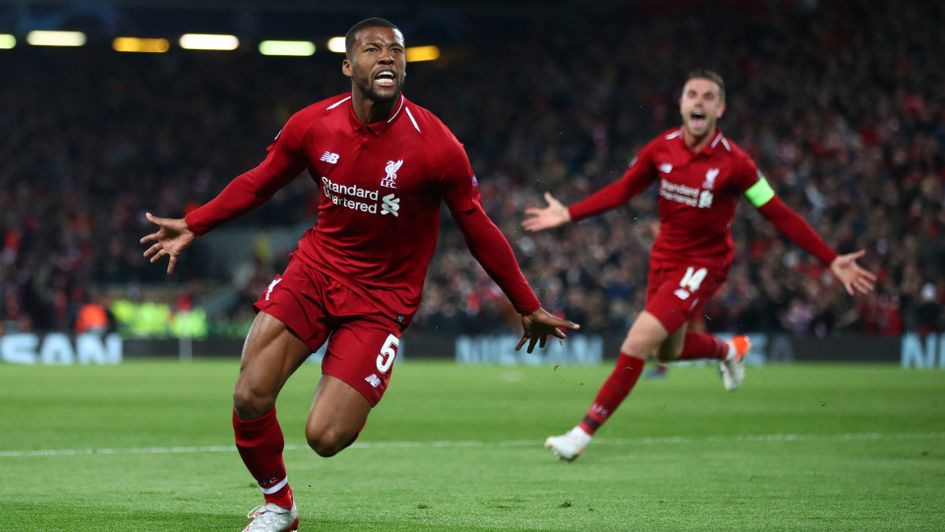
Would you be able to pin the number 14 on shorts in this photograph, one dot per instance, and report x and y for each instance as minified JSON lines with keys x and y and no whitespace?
{"x":690,"y":282}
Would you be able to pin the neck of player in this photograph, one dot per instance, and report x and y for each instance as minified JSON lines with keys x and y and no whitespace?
{"x":699,"y":143}
{"x":368,"y":110}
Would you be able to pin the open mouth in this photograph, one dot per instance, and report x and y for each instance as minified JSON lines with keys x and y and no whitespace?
{"x":698,"y":118}
{"x":385,"y":78}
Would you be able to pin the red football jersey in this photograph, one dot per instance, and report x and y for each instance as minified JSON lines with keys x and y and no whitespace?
{"x":697,"y":197}
{"x":380,"y":187}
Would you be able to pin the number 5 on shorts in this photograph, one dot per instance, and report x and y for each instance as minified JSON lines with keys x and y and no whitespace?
{"x":385,"y":359}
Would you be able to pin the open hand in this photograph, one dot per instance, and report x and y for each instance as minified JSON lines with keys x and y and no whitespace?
{"x":554,"y":215}
{"x":171,"y":238}
{"x":539,"y":325}
{"x":853,"y":277}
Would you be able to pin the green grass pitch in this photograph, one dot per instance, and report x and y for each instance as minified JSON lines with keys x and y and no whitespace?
{"x":146,"y":446}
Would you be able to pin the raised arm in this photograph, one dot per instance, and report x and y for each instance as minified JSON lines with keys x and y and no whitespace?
{"x":793,"y":226}
{"x":635,"y":180}
{"x":284,"y":162}
{"x":246,"y":192}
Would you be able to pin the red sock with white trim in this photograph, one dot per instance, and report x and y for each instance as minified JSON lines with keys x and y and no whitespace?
{"x":614,"y":390}
{"x":702,"y":345}
{"x":260,"y":444}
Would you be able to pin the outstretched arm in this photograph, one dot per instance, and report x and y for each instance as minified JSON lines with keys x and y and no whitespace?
{"x":633,"y":181}
{"x":246,"y":192}
{"x":489,"y":246}
{"x":284,"y":161}
{"x":171,"y":238}
{"x":844,"y":267}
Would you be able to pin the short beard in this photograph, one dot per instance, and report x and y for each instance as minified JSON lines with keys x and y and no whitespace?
{"x":368,"y":90}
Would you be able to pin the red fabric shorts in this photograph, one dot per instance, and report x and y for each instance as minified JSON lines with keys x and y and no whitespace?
{"x":362,"y":341}
{"x":677,"y":294}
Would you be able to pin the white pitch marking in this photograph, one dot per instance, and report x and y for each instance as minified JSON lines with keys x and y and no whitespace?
{"x":668,"y":440}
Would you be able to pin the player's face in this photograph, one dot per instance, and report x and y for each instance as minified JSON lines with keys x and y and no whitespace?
{"x":377,"y":66}
{"x":701,"y":106}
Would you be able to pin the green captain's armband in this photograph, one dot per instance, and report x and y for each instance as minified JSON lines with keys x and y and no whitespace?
{"x":760,"y":193}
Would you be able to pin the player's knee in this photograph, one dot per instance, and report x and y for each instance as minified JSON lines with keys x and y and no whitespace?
{"x":633,"y":347}
{"x":250,"y":403}
{"x":328,"y":442}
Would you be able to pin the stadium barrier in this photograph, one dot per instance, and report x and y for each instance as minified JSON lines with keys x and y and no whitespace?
{"x":58,"y":348}
{"x":910,"y":351}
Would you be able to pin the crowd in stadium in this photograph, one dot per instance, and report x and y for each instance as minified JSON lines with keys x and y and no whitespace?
{"x":843,"y":114}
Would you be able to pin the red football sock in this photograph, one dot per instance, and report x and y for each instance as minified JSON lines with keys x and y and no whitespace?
{"x":260,"y":444}
{"x":702,"y":345}
{"x":625,"y":375}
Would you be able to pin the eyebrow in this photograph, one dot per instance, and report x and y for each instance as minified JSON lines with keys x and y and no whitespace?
{"x":379,"y":43}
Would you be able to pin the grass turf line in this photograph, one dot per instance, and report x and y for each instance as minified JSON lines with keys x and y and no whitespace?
{"x":708,"y":479}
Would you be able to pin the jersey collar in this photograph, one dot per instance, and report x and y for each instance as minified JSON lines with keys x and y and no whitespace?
{"x":380,"y":126}
{"x":718,"y":142}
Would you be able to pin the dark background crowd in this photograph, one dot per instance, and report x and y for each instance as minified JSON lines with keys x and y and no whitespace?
{"x":840,"y":103}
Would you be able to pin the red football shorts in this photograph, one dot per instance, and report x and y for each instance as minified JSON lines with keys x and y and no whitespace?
{"x":362,"y":341}
{"x":677,"y":294}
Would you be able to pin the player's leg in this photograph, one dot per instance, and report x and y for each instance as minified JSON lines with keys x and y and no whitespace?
{"x":290,"y":325}
{"x":696,"y":286}
{"x":270,"y":355}
{"x":355,"y":374}
{"x":669,"y":350}
{"x":699,"y":344}
{"x":337,"y":415}
{"x":704,"y":345}
{"x":646,"y":335}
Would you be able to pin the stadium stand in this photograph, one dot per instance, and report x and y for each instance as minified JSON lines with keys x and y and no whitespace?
{"x":837,"y":101}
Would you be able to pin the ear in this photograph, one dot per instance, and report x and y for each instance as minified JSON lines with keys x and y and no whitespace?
{"x":346,"y":67}
{"x":721,"y":109}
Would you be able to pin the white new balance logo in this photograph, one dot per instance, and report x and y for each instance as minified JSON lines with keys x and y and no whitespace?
{"x":390,"y":205}
{"x":271,"y":286}
{"x":329,"y":157}
{"x":373,"y":380}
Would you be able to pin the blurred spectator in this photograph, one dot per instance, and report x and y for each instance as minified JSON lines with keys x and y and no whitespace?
{"x":94,"y":317}
{"x":928,"y":313}
{"x":839,"y":103}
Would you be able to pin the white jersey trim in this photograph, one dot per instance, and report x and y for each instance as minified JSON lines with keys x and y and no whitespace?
{"x":412,"y":121}
{"x":674,"y":134}
{"x":717,"y":139}
{"x":397,"y":112}
{"x":725,"y":143}
{"x":339,"y":102}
